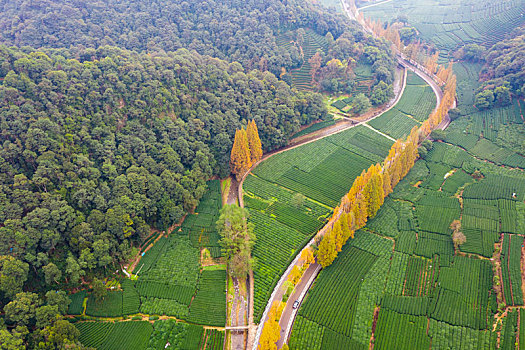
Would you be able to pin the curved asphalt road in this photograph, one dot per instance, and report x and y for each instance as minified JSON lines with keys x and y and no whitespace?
{"x":289,"y":314}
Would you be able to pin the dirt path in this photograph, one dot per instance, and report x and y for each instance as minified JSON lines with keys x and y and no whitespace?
{"x":238,"y":316}
{"x":233,"y":194}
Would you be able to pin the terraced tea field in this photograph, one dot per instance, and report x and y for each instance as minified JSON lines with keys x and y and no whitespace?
{"x":428,"y":294}
{"x":301,"y":77}
{"x":170,"y":282}
{"x":452,"y":24}
{"x":138,"y":335}
{"x":415,"y":105}
{"x":290,"y":195}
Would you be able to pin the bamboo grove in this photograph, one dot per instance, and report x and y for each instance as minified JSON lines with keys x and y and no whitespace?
{"x":370,"y":188}
{"x":246,"y":150}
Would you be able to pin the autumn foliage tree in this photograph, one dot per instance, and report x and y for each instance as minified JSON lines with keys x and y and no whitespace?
{"x":369,"y":189}
{"x":271,"y":331}
{"x":240,"y":160}
{"x":327,"y":250}
{"x":246,"y":150}
{"x":254,"y":142}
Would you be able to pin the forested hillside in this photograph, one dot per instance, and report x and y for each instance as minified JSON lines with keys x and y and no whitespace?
{"x":505,"y":64}
{"x":242,"y":31}
{"x":95,"y":151}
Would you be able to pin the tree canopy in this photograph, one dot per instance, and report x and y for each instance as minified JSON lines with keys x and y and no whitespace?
{"x":95,"y":151}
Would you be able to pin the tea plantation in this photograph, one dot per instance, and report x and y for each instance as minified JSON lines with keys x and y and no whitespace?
{"x":290,"y":195}
{"x":449,"y":24}
{"x":171,"y":283}
{"x":412,"y":288}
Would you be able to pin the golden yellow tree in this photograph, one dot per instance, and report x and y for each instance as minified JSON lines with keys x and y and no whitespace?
{"x":360,"y":211}
{"x":347,"y":224}
{"x":337,"y":231}
{"x":240,"y":157}
{"x":327,"y":250}
{"x":254,"y":142}
{"x":295,"y":275}
{"x":387,"y":186}
{"x":272,"y":331}
{"x":307,"y":258}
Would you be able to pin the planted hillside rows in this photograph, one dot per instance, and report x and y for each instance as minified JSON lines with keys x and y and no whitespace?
{"x":157,"y":306}
{"x":110,"y":306}
{"x":155,"y":289}
{"x":213,"y":339}
{"x":209,"y":304}
{"x":398,"y":331}
{"x":115,"y":336}
{"x":320,"y":305}
{"x":455,"y":24}
{"x":179,"y":336}
{"x":77,"y":300}
{"x":321,"y":172}
{"x":511,"y":269}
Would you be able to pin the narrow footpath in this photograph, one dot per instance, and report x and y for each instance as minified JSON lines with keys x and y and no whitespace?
{"x":239,"y":309}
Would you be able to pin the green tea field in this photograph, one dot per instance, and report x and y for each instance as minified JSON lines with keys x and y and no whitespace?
{"x":290,"y":195}
{"x":449,"y":24}
{"x":170,"y":282}
{"x":415,"y":105}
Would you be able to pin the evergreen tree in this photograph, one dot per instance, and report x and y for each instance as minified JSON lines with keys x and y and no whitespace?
{"x":240,"y":157}
{"x":254,"y":142}
{"x":327,"y":250}
{"x":237,"y":239}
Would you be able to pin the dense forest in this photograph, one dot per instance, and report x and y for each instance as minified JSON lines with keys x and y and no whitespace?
{"x":504,"y":71}
{"x":95,"y":152}
{"x":241,"y":31}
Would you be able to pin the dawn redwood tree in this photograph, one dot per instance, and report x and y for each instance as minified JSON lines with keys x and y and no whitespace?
{"x":347,"y":220}
{"x":327,"y":250}
{"x":271,"y":331}
{"x":337,"y":231}
{"x":240,"y":156}
{"x":360,"y":211}
{"x":254,"y":142}
{"x":295,"y":275}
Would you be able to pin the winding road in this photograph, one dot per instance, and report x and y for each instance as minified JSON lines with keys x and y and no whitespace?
{"x":289,"y":313}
